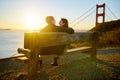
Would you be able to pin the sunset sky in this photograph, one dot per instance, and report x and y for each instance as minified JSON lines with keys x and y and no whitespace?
{"x":30,"y":14}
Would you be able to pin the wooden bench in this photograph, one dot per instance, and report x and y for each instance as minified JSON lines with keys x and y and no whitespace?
{"x":34,"y":42}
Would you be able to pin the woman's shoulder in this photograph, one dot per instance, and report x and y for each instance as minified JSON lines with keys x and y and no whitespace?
{"x":71,"y":30}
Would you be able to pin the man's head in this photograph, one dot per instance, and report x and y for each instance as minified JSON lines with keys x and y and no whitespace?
{"x":50,"y":20}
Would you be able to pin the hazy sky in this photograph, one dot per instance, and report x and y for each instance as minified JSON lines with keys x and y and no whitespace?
{"x":21,"y":14}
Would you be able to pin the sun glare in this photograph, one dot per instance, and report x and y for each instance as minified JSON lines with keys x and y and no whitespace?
{"x":31,"y":22}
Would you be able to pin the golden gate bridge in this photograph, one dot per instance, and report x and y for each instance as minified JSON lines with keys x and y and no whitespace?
{"x":100,"y":13}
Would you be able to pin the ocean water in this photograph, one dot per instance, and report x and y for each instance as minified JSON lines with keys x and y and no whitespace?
{"x":10,"y":41}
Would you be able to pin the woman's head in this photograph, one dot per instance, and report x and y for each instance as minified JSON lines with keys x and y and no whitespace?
{"x":63,"y":22}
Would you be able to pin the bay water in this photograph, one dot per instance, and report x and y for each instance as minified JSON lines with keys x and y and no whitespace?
{"x":10,"y":41}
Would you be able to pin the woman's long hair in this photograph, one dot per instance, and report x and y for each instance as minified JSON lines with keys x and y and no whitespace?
{"x":65,"y":21}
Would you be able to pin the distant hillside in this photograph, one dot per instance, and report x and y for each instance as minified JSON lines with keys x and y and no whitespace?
{"x":108,"y":26}
{"x":109,"y":33}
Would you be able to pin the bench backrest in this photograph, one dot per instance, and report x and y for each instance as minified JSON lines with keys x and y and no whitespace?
{"x":37,"y":40}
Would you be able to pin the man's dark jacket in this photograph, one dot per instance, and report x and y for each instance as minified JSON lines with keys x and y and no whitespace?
{"x":55,"y":49}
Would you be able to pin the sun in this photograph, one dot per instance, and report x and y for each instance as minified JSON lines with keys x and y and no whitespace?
{"x":31,"y":22}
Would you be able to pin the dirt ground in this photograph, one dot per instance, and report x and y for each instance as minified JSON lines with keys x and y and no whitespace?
{"x":77,"y":66}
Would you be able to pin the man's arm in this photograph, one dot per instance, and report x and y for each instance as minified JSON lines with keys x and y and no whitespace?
{"x":67,"y":30}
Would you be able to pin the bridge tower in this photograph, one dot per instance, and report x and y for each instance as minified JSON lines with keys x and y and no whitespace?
{"x":100,"y":14}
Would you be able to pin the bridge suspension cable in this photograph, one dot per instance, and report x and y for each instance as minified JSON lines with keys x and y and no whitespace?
{"x":79,"y":21}
{"x":81,"y":15}
{"x":111,"y":12}
{"x":108,"y":17}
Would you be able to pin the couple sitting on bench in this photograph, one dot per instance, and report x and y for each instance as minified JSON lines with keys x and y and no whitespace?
{"x":51,"y":27}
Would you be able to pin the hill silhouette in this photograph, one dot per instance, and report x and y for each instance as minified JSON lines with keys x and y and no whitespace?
{"x":109,"y":33}
{"x":108,"y":26}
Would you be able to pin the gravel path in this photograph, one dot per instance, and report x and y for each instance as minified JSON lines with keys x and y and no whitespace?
{"x":75,"y":66}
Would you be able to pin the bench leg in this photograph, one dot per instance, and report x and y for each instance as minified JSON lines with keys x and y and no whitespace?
{"x":40,"y":61}
{"x":95,"y":39}
{"x":33,"y":63}
{"x":93,"y":53}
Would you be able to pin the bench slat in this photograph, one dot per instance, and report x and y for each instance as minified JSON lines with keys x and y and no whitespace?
{"x":78,"y":49}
